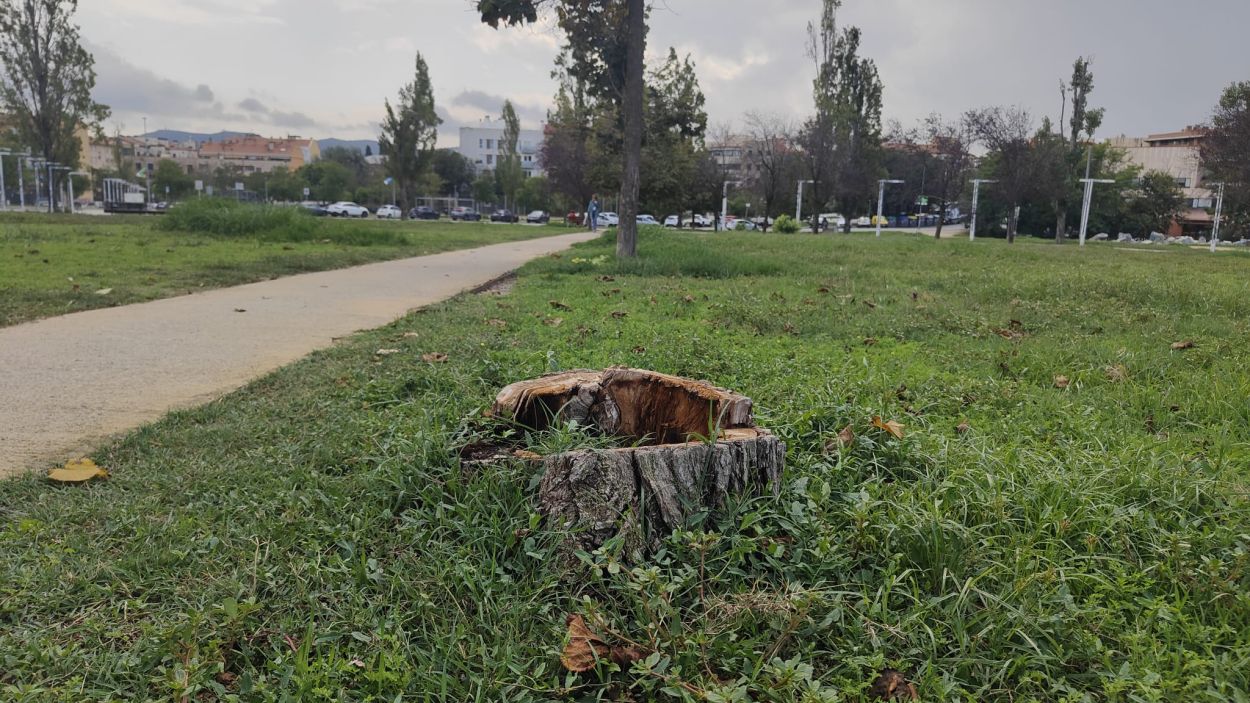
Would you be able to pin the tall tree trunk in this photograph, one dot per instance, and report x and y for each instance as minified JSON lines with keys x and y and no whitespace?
{"x":1013,"y":221}
{"x":941,"y":219}
{"x":631,"y":179}
{"x":1061,"y":222}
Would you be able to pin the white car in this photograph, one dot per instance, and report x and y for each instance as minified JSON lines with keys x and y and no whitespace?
{"x":670,"y":221}
{"x":647,"y":220}
{"x":608,"y":219}
{"x":702,"y":221}
{"x":832,"y":219}
{"x":346,"y":209}
{"x":864,"y":221}
{"x":389,"y":212}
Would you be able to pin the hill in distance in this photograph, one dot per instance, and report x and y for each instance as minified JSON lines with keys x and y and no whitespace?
{"x":200,"y":138}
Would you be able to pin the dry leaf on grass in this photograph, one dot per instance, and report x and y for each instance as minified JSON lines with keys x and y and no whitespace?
{"x":870,"y":342}
{"x":411,"y":335}
{"x":1117,"y":373}
{"x":891,"y":685}
{"x":434,"y":358}
{"x":559,"y":305}
{"x":585,"y":649}
{"x":891,"y":427}
{"x":1062,"y":382}
{"x":104,"y":291}
{"x":846,"y":437}
{"x":553,"y":321}
{"x":688,"y":299}
{"x":620,"y":314}
{"x":500,"y":324}
{"x":963,"y":427}
{"x":77,"y":471}
{"x":871,"y":305}
{"x":1181,"y":346}
{"x":607,"y":279}
{"x":386,"y":352}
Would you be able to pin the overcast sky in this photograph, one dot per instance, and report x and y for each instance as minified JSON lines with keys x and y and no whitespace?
{"x":322,"y":68}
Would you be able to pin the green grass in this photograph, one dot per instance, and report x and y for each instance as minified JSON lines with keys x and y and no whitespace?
{"x":312,"y":537}
{"x":55,"y":265}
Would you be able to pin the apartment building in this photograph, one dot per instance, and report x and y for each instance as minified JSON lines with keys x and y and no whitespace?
{"x":481,"y":145}
{"x":1176,"y":154}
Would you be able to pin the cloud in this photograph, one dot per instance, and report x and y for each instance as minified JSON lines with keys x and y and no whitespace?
{"x":199,"y":13}
{"x":292,"y":119}
{"x":253,"y":105}
{"x":469,"y":102}
{"x":126,"y":87}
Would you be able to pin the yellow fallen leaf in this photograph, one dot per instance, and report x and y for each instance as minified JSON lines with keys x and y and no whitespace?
{"x":104,"y":291}
{"x":892,"y":427}
{"x":1062,"y":382}
{"x":77,"y":471}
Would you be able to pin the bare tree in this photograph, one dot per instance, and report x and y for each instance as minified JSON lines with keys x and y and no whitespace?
{"x":950,"y":144}
{"x":772,"y":140}
{"x":1006,"y":132}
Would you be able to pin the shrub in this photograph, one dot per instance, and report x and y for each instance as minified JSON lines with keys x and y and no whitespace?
{"x":786,"y":225}
{"x":230,"y":218}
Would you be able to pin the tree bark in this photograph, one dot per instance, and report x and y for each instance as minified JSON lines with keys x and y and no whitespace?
{"x":1061,"y":222}
{"x":694,"y":446}
{"x":941,"y":219}
{"x":1013,"y":221}
{"x":631,"y":179}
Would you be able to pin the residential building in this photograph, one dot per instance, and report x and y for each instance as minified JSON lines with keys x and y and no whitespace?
{"x":481,"y":145}
{"x":737,"y":156}
{"x":255,"y":154}
{"x":1176,"y":154}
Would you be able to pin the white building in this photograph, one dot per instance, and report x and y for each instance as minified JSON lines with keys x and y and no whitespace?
{"x":481,"y":145}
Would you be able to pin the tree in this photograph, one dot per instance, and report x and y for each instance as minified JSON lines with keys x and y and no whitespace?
{"x":456,"y":171}
{"x":844,"y":137}
{"x":565,"y":152}
{"x":1006,"y":132}
{"x":509,"y":171}
{"x":353,"y":161}
{"x":1155,"y":204}
{"x":772,"y":140}
{"x":484,"y":189}
{"x":676,"y":123}
{"x":607,"y":45}
{"x":534,"y":194}
{"x":328,"y":180}
{"x":1226,"y":153}
{"x":950,"y":144}
{"x":172,"y":179}
{"x":1084,"y":122}
{"x":409,"y":133}
{"x":47,"y":77}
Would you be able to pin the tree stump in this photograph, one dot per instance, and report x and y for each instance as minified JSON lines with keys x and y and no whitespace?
{"x":691,"y":446}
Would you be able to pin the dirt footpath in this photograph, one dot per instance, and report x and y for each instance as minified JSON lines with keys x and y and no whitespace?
{"x":68,"y":383}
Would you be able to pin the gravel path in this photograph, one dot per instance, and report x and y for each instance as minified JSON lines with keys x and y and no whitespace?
{"x":68,"y":383}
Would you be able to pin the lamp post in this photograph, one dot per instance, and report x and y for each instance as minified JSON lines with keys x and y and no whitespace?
{"x":1089,"y":201}
{"x":4,"y":194}
{"x":798,"y":209}
{"x":976,"y":199}
{"x":724,"y":203}
{"x":1219,"y":210}
{"x":881,"y":199}
{"x":51,"y":185}
{"x":22,"y":163}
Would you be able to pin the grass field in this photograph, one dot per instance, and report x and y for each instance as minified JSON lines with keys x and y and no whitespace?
{"x":55,"y":265}
{"x":312,"y":537}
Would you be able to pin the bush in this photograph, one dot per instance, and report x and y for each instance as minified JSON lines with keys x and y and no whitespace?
{"x":230,"y":218}
{"x":786,"y":225}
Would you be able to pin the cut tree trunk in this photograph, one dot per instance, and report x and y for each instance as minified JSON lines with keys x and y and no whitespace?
{"x":670,"y":471}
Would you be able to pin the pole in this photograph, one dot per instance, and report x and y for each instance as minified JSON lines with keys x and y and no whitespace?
{"x":724,"y":206}
{"x":798,"y":209}
{"x":21,"y":182}
{"x":1089,"y":202}
{"x":51,"y":193}
{"x":976,"y":197}
{"x":880,"y":204}
{"x":69,"y":179}
{"x":4,"y":194}
{"x":1219,"y":210}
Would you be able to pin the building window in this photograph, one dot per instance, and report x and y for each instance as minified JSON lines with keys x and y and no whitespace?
{"x":481,"y":143}
{"x":1203,"y":203}
{"x":490,"y":143}
{"x":490,"y":159}
{"x":1182,"y":182}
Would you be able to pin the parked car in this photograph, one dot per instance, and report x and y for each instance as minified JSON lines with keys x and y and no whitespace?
{"x":389,"y":212}
{"x":347,"y":209}
{"x":464,"y":214}
{"x":573,"y":219}
{"x":647,"y":220}
{"x":315,"y":210}
{"x":832,"y":219}
{"x":608,"y":219}
{"x":742,"y":225}
{"x":423,"y":212}
{"x":702,"y":221}
{"x":538,"y":217}
{"x":864,"y":221}
{"x":504,"y":216}
{"x":671,"y":221}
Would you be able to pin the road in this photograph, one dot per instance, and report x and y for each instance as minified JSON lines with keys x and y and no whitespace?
{"x":68,"y":383}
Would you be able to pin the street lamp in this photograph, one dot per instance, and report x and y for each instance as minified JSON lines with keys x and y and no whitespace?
{"x":724,"y":203}
{"x":881,"y":199}
{"x":51,"y":182}
{"x":976,"y":198}
{"x":1219,"y":210}
{"x":4,"y":194}
{"x":798,"y":209}
{"x":1089,"y":201}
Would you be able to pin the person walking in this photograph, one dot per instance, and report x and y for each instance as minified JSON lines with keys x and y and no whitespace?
{"x":592,"y":213}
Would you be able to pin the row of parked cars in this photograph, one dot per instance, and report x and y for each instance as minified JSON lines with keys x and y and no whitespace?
{"x":422,"y":212}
